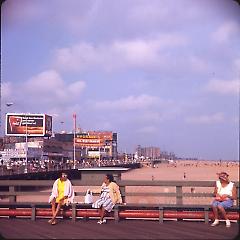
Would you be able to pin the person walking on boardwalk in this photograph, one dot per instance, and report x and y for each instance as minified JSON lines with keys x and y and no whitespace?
{"x":225,"y":193}
{"x":110,"y":195}
{"x":62,"y":194}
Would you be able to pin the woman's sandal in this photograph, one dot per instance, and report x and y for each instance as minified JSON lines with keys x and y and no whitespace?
{"x":54,"y":222}
{"x":50,"y":221}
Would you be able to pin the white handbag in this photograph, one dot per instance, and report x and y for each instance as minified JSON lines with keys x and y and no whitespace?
{"x":88,"y":197}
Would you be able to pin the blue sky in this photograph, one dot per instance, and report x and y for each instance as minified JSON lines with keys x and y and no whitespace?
{"x":159,"y":73}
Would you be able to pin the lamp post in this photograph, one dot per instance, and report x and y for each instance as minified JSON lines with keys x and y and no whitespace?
{"x":74,"y":144}
{"x":8,"y":105}
{"x":62,"y":127}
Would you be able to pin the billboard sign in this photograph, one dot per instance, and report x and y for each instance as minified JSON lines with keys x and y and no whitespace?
{"x":88,"y":141}
{"x":35,"y":125}
{"x":93,"y":139}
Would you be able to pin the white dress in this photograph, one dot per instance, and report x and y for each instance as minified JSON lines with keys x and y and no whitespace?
{"x":105,"y":200}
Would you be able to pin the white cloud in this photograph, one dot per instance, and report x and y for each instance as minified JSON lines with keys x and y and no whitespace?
{"x":44,"y":90}
{"x":77,"y":57}
{"x":118,"y":54}
{"x":223,"y":86}
{"x":50,"y":87}
{"x":129,"y":103}
{"x":206,"y":119}
{"x":147,"y":129}
{"x":76,"y":88}
{"x":44,"y":82}
{"x":225,"y":32}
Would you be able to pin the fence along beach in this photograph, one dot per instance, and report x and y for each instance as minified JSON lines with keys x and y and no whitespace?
{"x":174,"y":171}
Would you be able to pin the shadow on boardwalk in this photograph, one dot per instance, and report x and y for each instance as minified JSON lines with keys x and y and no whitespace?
{"x":128,"y":229}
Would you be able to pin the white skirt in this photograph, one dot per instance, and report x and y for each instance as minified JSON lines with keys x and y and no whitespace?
{"x":104,"y":201}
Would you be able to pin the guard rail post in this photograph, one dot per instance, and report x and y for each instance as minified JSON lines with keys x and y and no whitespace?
{"x":160,"y":214}
{"x":33,"y":215}
{"x":74,"y":212}
{"x":116,"y":213}
{"x":12,"y":198}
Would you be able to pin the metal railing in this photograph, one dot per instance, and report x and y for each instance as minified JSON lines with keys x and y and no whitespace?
{"x":12,"y":188}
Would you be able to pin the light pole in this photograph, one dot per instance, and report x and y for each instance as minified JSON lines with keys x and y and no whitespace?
{"x":8,"y":104}
{"x":62,"y":122}
{"x":74,"y":144}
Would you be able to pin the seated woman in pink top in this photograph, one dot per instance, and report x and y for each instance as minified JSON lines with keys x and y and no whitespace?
{"x":225,"y":193}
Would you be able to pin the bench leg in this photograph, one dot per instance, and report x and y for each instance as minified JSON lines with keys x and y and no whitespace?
{"x":206,"y":217}
{"x":116,"y":215}
{"x":74,"y":212}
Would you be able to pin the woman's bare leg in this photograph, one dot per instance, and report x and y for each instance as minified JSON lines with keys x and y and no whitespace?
{"x":215,"y":212}
{"x":102,"y":212}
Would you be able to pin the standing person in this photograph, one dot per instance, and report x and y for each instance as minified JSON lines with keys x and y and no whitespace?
{"x":110,"y":195}
{"x":62,"y":194}
{"x":184,"y":176}
{"x":225,"y":193}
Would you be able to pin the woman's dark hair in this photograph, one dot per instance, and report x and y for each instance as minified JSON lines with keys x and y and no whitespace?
{"x":61,"y":173}
{"x":110,"y":177}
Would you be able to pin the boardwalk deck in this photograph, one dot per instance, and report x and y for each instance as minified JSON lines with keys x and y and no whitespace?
{"x":126,"y":229}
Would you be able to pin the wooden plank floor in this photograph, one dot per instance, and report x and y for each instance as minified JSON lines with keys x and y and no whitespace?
{"x":126,"y":229}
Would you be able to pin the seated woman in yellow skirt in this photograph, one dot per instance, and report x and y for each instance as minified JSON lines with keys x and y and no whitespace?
{"x":62,"y":193}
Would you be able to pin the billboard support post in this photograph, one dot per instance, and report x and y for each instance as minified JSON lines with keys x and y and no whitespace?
{"x":26,"y":160}
{"x":99,"y":148}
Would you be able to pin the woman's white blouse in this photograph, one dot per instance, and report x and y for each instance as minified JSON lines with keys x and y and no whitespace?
{"x":224,"y":190}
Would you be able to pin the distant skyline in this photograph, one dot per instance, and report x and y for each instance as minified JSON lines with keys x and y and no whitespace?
{"x":159,"y":73}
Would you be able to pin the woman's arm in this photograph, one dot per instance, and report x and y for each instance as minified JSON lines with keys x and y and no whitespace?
{"x":215,"y":191}
{"x":97,"y":190}
{"x":234,"y":193}
{"x":118,"y":194}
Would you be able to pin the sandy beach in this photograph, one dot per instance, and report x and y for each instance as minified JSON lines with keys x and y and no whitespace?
{"x":194,"y":171}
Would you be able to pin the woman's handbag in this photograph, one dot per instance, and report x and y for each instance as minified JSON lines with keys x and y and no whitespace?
{"x":88,"y":197}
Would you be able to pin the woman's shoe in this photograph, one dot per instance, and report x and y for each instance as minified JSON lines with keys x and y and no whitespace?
{"x":215,"y":223}
{"x":54,"y":222}
{"x":50,"y":221}
{"x":228,"y":223}
{"x":102,"y":221}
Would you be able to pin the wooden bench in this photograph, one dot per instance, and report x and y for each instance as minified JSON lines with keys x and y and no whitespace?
{"x":120,"y":211}
{"x":204,"y":211}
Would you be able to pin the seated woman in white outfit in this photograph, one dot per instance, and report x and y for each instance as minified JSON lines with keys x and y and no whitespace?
{"x":110,"y":195}
{"x":225,"y":193}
